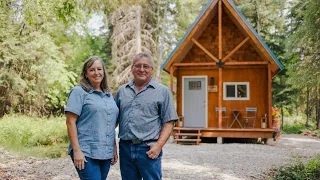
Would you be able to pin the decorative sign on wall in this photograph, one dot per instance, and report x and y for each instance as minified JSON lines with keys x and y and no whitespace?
{"x":213,"y":88}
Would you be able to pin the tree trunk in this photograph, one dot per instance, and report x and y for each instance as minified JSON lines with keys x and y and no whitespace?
{"x":258,"y":6}
{"x":161,"y":42}
{"x":158,"y":78}
{"x":307,"y":109}
{"x":138,"y":31}
{"x":318,"y":108}
{"x":281,"y":109}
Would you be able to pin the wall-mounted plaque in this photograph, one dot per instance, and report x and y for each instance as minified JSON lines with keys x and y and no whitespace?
{"x":213,"y":88}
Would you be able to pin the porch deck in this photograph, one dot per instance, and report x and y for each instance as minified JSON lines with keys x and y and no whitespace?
{"x":229,"y":132}
{"x":225,"y":132}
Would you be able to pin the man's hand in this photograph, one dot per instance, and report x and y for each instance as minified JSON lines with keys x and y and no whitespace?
{"x":79,"y":159}
{"x":154,"y":151}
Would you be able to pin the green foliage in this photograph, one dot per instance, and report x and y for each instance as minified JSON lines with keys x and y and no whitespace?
{"x":25,"y":132}
{"x":296,"y":128}
{"x":187,"y":12}
{"x":86,"y":46}
{"x":300,"y":170}
{"x":42,"y":47}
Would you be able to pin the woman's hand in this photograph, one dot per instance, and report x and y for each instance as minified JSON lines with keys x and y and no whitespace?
{"x":79,"y":159}
{"x":114,"y":160}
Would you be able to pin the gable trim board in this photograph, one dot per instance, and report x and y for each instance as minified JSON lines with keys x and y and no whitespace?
{"x":211,"y":4}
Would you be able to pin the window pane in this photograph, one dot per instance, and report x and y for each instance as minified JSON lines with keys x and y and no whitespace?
{"x":194,"y":85}
{"x":242,"y":90}
{"x":231,"y":90}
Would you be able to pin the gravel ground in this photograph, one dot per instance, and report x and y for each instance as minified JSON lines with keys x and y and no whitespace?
{"x":233,"y":161}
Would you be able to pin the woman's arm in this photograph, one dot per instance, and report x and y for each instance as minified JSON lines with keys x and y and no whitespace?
{"x":79,"y":158}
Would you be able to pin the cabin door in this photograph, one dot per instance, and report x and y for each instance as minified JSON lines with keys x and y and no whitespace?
{"x":194,"y":101}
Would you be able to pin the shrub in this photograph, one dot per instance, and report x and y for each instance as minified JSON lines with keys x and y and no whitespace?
{"x":300,"y":170}
{"x":296,"y":128}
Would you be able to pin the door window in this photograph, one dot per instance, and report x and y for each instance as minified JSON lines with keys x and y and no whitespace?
{"x":194,"y":85}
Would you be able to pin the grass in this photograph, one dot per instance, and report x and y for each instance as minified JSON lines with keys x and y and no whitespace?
{"x":34,"y":136}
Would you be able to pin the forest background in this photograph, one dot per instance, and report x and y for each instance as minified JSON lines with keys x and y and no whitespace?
{"x":43,"y":44}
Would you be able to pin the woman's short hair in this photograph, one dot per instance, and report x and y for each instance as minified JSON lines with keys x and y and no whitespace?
{"x":140,"y":55}
{"x":84,"y":81}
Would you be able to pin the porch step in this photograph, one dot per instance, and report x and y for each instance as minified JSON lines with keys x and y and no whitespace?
{"x":188,"y":134}
{"x":183,"y":134}
{"x":187,"y":129}
{"x":189,"y":140}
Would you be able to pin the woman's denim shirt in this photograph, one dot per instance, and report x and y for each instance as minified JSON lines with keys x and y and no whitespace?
{"x":97,"y":115}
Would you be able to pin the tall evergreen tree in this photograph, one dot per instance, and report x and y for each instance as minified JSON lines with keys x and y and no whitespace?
{"x":304,"y":42}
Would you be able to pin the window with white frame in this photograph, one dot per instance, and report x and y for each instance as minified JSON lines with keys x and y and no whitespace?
{"x":236,"y":91}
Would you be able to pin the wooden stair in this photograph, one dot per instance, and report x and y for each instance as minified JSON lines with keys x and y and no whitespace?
{"x":187,"y":135}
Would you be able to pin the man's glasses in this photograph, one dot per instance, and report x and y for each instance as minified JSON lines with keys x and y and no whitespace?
{"x":144,"y":66}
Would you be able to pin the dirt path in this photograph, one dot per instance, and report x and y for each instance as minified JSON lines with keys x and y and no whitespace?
{"x":208,"y":161}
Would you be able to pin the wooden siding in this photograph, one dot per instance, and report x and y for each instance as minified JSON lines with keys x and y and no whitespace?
{"x":257,"y":78}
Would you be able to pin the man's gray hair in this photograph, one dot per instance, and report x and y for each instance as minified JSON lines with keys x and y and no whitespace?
{"x":141,"y":55}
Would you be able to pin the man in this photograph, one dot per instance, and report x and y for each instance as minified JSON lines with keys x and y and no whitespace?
{"x":146,"y":120}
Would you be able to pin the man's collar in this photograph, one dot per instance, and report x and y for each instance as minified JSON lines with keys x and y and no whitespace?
{"x":151,"y":83}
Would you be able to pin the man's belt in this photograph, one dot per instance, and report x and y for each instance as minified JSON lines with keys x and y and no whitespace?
{"x":138,"y":141}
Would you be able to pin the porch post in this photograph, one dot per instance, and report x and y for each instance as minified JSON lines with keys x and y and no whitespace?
{"x":171,"y":78}
{"x":269,"y":96}
{"x":220,"y":67}
{"x":220,"y":98}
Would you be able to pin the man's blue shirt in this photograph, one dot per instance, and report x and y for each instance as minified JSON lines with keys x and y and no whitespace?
{"x":143,"y":114}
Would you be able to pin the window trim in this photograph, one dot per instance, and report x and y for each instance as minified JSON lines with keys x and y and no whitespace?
{"x":236,"y":89}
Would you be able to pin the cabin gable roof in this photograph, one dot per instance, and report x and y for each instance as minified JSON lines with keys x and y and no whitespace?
{"x":204,"y":19}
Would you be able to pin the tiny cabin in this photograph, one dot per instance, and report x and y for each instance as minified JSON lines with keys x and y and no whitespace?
{"x":223,"y":72}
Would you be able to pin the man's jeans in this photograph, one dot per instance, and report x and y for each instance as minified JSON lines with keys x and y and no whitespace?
{"x":94,"y":169}
{"x":135,"y":163}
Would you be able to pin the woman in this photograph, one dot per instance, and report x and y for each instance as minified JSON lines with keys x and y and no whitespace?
{"x":91,"y":117}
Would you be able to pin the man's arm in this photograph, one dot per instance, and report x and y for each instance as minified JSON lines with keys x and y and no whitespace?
{"x":155,"y":148}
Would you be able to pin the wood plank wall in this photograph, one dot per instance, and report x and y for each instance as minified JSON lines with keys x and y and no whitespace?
{"x":257,"y":78}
